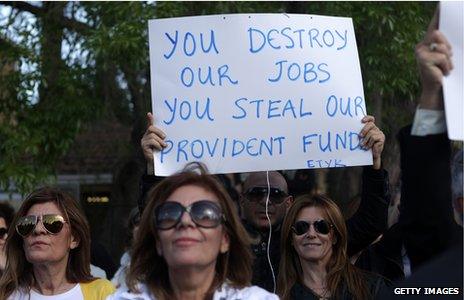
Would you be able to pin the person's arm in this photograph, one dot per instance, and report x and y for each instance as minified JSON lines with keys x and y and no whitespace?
{"x":370,"y":220}
{"x":434,"y":59}
{"x":426,"y":212}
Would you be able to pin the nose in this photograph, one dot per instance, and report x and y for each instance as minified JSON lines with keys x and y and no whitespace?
{"x":263,"y":200}
{"x":186,"y":220}
{"x":39,"y":228}
{"x":311,"y":231}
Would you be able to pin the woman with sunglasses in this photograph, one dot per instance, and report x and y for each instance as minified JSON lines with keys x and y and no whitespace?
{"x":314,"y":262}
{"x":48,"y":252}
{"x":190,"y":244}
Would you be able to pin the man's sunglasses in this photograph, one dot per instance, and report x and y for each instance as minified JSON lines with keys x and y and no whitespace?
{"x":3,"y":232}
{"x":52,"y":223}
{"x":320,"y":226}
{"x":256,"y":194}
{"x":204,"y":213}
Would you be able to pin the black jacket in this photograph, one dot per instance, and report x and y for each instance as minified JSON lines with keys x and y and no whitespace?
{"x":426,"y":214}
{"x":384,"y":257}
{"x":432,"y":239}
{"x":374,"y":284}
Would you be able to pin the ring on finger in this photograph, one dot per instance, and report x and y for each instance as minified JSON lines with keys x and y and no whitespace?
{"x":433,"y":46}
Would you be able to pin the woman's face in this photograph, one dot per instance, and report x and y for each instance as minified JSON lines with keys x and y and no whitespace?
{"x":41,"y":247}
{"x":186,"y":244}
{"x":313,"y":246}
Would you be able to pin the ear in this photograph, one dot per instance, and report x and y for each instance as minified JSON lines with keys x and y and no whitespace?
{"x":241,"y":201}
{"x":334,"y":239}
{"x":288,"y":202}
{"x":74,"y":242}
{"x":225,"y":243}
{"x":159,"y":249}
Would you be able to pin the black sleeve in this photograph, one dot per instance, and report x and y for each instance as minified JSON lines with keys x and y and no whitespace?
{"x":146,"y":183}
{"x":370,"y":220}
{"x":426,"y":214}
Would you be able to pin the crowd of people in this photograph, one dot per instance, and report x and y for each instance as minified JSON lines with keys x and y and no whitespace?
{"x":193,"y":236}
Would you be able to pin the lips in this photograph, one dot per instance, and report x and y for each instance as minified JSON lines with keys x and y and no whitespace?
{"x":183,"y":242}
{"x":312,"y":244}
{"x":38,"y":243}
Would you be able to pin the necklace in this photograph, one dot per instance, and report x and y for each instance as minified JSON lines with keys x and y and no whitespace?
{"x":321,"y":294}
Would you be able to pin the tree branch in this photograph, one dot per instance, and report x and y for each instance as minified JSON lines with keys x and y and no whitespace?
{"x":40,"y":12}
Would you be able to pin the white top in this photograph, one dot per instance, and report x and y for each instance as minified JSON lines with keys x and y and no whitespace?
{"x":226,"y":292}
{"x":119,"y":279}
{"x":428,"y":121}
{"x":97,"y":272}
{"x":73,"y":294}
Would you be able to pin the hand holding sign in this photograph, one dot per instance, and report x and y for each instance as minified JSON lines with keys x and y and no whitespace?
{"x":452,"y":26}
{"x":152,"y":139}
{"x":373,"y":138}
{"x":433,"y":55}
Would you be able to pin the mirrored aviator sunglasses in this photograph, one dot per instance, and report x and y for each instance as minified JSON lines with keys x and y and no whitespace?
{"x":52,"y":223}
{"x":320,"y":226}
{"x":256,"y":194}
{"x":204,"y":213}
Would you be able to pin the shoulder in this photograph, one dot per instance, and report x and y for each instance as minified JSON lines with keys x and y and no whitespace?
{"x":18,"y":295}
{"x":249,"y":293}
{"x":123,"y":294}
{"x":97,"y":289}
{"x":299,"y":291}
{"x":375,"y":282}
{"x":97,"y":271}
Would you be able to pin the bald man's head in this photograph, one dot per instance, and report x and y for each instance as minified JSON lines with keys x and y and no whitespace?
{"x":255,"y":193}
{"x":260,"y":179}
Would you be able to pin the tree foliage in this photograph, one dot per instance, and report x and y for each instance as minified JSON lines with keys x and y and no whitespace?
{"x":63,"y":64}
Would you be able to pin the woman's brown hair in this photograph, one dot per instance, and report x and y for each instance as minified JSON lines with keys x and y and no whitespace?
{"x":18,"y":272}
{"x":151,"y":269}
{"x":339,"y":269}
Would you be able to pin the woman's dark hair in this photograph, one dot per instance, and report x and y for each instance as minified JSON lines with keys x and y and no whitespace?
{"x":150,"y":268}
{"x":18,"y":272}
{"x":7,"y":213}
{"x":339,"y":269}
{"x":132,"y":221}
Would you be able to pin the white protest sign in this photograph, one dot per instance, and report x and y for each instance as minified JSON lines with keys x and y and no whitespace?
{"x":255,"y":92}
{"x":452,"y":26}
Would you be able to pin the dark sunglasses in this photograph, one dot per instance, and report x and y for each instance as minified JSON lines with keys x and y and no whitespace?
{"x":256,"y":194}
{"x":320,"y":226}
{"x":3,"y":232}
{"x":52,"y":224}
{"x":204,"y":213}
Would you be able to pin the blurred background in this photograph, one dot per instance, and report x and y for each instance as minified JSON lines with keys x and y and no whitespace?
{"x":75,"y":89}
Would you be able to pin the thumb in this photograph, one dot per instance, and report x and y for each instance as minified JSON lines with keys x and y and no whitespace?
{"x":150,"y":119}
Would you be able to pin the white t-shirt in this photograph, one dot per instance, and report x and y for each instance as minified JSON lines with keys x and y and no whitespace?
{"x":119,"y":278}
{"x":73,"y":294}
{"x":226,"y":292}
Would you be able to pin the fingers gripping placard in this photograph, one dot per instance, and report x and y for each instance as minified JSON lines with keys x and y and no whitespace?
{"x":257,"y":92}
